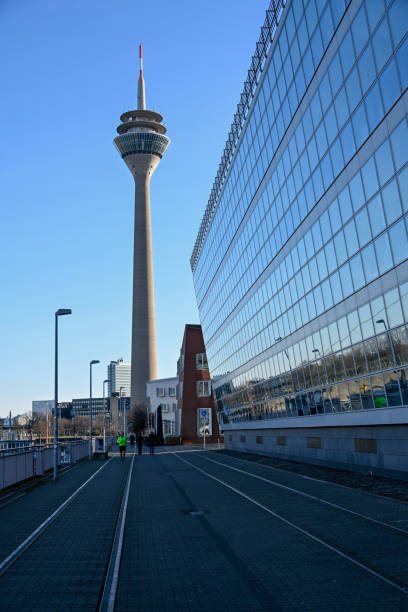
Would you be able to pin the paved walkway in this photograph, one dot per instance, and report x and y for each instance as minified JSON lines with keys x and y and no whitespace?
{"x":204,"y":531}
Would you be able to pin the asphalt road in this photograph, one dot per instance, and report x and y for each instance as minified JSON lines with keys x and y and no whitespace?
{"x":203,"y":531}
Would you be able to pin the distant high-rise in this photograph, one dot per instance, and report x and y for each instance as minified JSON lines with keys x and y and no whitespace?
{"x":141,"y":144}
{"x":119,"y":375}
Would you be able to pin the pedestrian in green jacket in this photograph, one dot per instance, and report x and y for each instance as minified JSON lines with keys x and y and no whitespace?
{"x":121,"y":441}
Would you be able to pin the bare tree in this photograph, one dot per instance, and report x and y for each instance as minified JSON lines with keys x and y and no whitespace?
{"x":137,"y":420}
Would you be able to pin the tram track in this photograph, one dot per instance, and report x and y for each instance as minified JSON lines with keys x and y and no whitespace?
{"x":350,"y":552}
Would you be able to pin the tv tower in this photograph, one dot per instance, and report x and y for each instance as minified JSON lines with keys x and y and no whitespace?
{"x":141,"y":144}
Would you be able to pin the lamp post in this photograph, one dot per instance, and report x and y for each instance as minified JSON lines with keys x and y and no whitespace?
{"x":104,"y":413}
{"x":121,"y":417}
{"x":91,"y":363}
{"x":61,"y":312}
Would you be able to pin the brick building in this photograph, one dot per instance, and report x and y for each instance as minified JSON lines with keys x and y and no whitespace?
{"x":194,"y":389}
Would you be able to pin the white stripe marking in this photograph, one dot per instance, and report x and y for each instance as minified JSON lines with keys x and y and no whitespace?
{"x":287,"y":522}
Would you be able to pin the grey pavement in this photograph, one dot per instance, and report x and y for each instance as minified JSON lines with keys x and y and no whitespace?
{"x":191,"y":543}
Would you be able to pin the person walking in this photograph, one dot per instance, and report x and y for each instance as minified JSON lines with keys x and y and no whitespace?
{"x":151,"y":440}
{"x":139,"y":442}
{"x":132,"y":439}
{"x":121,"y":441}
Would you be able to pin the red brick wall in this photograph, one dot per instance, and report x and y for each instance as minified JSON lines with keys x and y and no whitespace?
{"x":193,"y":343}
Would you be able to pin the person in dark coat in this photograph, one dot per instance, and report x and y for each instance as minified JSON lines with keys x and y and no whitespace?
{"x":139,"y":442}
{"x":151,"y":442}
{"x":132,"y":440}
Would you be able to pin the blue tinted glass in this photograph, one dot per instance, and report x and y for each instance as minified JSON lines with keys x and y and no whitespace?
{"x":374,"y":107}
{"x":321,"y":263}
{"x":391,"y":199}
{"x":350,"y":236}
{"x":318,"y":183}
{"x":353,"y":89}
{"x":403,"y":185}
{"x":340,"y":247}
{"x":317,"y":46}
{"x":316,"y":109}
{"x":369,"y":174}
{"x":402,"y":61}
{"x":382,"y":44}
{"x":335,"y":74}
{"x":383,"y":250}
{"x":357,"y":272}
{"x":376,"y":214}
{"x":311,"y":305}
{"x":314,"y":275}
{"x":383,"y":158}
{"x":345,"y":279}
{"x":345,"y":204}
{"x":375,"y":8}
{"x":360,"y":126}
{"x":307,"y":124}
{"x":331,"y":124}
{"x":356,"y":192}
{"x":370,"y":263}
{"x":398,"y":20}
{"x":366,"y":68}
{"x":302,"y":36}
{"x":317,"y":235}
{"x":336,"y":287}
{"x":336,"y":154}
{"x":359,"y":30}
{"x":398,"y":239}
{"x":330,"y":256}
{"x":327,"y":171}
{"x":399,"y":139}
{"x":327,"y":294}
{"x":335,"y":218}
{"x":338,"y":10}
{"x":363,"y":227}
{"x":341,"y":106}
{"x":347,"y":53}
{"x":347,"y":142}
{"x":326,"y":25}
{"x":308,"y":66}
{"x":312,"y":150}
{"x":390,"y":87}
{"x":325,"y":93}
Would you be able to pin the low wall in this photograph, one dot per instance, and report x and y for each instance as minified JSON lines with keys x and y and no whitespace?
{"x":382,"y":450}
{"x":27,"y":463}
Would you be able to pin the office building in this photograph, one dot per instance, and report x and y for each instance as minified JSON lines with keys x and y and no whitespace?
{"x":119,"y":375}
{"x":300,"y":265}
{"x":162,"y":392}
{"x":80,"y":406}
{"x":42,"y":407}
{"x":194,"y":391}
{"x":141,"y":144}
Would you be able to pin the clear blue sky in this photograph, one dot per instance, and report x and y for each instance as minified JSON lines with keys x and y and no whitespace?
{"x":69,"y":69}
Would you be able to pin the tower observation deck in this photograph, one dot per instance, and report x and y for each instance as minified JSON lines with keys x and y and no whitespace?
{"x":141,"y":143}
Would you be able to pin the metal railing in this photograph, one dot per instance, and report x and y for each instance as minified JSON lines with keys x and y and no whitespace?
{"x":19,"y":464}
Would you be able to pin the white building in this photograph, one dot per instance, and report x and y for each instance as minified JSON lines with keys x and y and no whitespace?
{"x":119,"y":376}
{"x":163,"y":392}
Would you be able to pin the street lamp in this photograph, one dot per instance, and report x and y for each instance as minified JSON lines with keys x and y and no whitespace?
{"x":61,"y":312}
{"x":91,"y":363}
{"x":104,"y":412}
{"x":121,"y":417}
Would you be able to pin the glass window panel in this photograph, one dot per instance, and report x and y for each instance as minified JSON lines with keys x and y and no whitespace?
{"x":391,"y":201}
{"x":326,"y":25}
{"x":327,"y":294}
{"x":316,"y":46}
{"x":383,"y":250}
{"x":403,"y":185}
{"x":335,"y":74}
{"x":357,"y":272}
{"x":383,"y":158}
{"x":347,"y":142}
{"x":354,"y":326}
{"x":370,"y":181}
{"x":321,"y":264}
{"x":341,"y":107}
{"x":404,"y":299}
{"x":334,"y":213}
{"x":382,"y":44}
{"x":390,"y":87}
{"x":393,"y":307}
{"x":353,"y":89}
{"x":363,"y":227}
{"x":359,"y":30}
{"x":372,"y":355}
{"x":375,"y":9}
{"x":359,"y":359}
{"x":399,"y":242}
{"x":392,"y":389}
{"x":399,"y":338}
{"x":336,"y":155}
{"x":321,"y":140}
{"x":349,"y":363}
{"x":374,"y":107}
{"x":347,"y":53}
{"x":350,"y":236}
{"x":345,"y":279}
{"x":377,"y":386}
{"x":385,"y":351}
{"x":356,"y":191}
{"x":402,"y":62}
{"x":398,"y":20}
{"x":370,"y":263}
{"x":399,"y":139}
{"x":366,"y":321}
{"x":340,"y":247}
{"x":345,"y":204}
{"x":366,"y":68}
{"x":330,"y":256}
{"x":336,"y":287}
{"x":334,"y":336}
{"x":375,"y":211}
{"x":325,"y":93}
{"x":314,"y":275}
{"x":360,"y":125}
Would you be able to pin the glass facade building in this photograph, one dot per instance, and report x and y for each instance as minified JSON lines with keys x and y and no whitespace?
{"x":300,"y":265}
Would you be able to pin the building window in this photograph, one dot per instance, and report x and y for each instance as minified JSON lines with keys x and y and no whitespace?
{"x":164,"y":407}
{"x":203,"y":388}
{"x":160,"y":392}
{"x":201,"y":361}
{"x":174,"y":407}
{"x":172,"y":391}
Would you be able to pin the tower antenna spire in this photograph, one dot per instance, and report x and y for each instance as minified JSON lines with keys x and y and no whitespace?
{"x":141,"y":99}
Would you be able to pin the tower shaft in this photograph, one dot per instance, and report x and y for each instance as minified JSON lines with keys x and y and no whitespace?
{"x":144,"y":359}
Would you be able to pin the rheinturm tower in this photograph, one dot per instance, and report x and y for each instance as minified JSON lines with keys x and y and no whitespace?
{"x":141,"y":144}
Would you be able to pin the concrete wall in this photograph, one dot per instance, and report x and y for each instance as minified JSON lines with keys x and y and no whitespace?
{"x":380,"y":449}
